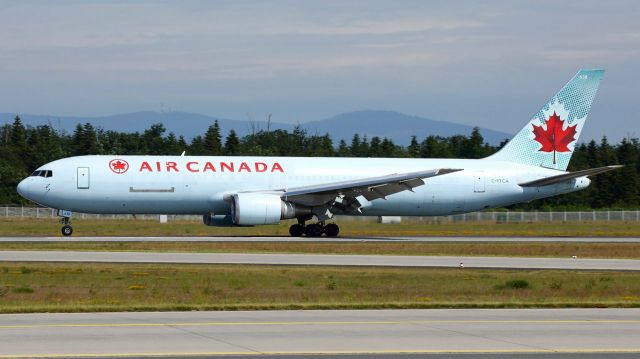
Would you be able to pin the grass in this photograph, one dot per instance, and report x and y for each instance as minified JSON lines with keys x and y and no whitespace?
{"x":135,"y":287}
{"x":515,"y":249}
{"x":349,"y":228}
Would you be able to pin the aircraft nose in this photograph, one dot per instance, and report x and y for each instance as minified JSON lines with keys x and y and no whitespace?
{"x":22,"y":188}
{"x":25,"y":188}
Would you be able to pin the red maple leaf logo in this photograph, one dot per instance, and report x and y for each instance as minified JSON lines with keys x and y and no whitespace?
{"x":554,"y":138}
{"x":119,"y":166}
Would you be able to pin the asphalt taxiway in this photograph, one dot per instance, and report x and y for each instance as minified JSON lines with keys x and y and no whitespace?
{"x":362,"y":332}
{"x":325,"y":239}
{"x":321,"y":259}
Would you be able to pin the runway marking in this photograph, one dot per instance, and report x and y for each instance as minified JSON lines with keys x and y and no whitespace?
{"x":213,"y":324}
{"x":327,"y":352}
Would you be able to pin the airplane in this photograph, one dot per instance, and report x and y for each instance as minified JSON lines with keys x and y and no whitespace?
{"x":251,"y":191}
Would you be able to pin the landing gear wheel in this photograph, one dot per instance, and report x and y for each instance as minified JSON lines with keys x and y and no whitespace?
{"x":331,"y":230}
{"x":66,"y":230}
{"x":313,"y":230}
{"x":296,"y":230}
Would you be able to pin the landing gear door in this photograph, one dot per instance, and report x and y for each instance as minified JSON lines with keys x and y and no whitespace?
{"x":83,"y":177}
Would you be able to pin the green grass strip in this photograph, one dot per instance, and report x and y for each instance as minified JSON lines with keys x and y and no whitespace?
{"x":107,"y":227}
{"x":70,"y":287}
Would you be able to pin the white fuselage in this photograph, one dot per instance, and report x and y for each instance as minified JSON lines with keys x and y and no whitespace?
{"x":198,"y":184}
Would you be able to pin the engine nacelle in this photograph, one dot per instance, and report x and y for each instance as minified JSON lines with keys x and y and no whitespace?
{"x":220,"y":220}
{"x":250,"y":209}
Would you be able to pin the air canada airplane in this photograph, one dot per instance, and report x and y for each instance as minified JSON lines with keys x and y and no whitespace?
{"x":250,"y":191}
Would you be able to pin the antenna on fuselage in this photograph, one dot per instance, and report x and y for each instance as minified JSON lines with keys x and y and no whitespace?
{"x":183,"y":152}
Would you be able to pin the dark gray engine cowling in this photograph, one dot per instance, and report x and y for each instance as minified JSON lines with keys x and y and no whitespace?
{"x":219,"y":220}
{"x":250,"y":209}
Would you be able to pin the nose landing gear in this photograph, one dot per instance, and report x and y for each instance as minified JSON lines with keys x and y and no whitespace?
{"x":314,"y":230}
{"x":66,"y":230}
{"x":65,"y":219}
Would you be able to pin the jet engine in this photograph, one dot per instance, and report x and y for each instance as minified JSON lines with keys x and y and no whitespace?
{"x":217,"y":220}
{"x":250,"y":209}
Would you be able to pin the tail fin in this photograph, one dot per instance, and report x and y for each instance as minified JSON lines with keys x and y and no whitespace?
{"x":548,"y":140}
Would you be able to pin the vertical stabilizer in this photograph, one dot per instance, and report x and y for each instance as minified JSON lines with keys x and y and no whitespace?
{"x":548,"y":140}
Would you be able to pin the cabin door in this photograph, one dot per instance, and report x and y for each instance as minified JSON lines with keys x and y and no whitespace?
{"x":83,"y":177}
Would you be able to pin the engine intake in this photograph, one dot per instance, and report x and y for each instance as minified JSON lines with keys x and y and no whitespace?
{"x":219,"y":220}
{"x":250,"y":209}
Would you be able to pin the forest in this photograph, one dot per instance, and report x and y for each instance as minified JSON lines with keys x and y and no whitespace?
{"x":24,"y":148}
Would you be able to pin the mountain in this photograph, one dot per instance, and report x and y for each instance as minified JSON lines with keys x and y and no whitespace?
{"x":394,"y":125}
{"x":181,"y":123}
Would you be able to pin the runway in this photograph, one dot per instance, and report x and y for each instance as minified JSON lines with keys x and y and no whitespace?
{"x":363,"y":332}
{"x":324,"y":239}
{"x":321,"y":259}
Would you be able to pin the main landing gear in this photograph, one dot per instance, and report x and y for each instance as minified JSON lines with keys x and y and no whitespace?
{"x":66,"y":230}
{"x":314,"y":230}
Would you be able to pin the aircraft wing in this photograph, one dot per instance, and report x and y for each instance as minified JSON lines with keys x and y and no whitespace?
{"x":567,"y":176}
{"x":370,"y":188}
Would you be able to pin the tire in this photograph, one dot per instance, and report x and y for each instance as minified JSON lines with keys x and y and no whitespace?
{"x":296,"y":230}
{"x":331,"y":230}
{"x":313,"y":230}
{"x":67,"y":230}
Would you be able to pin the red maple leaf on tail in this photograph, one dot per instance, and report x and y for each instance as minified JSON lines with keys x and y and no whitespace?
{"x":554,"y":138}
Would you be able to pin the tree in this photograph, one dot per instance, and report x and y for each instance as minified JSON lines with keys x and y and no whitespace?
{"x":414,"y":148}
{"x":388,"y":149}
{"x":43,"y":146}
{"x":375,"y":149}
{"x":213,"y":140}
{"x":232,"y":144}
{"x":18,"y":137}
{"x":473,"y":146}
{"x":197,"y":148}
{"x":364,"y":147}
{"x":606,"y":182}
{"x":153,"y":140}
{"x":355,"y":145}
{"x":626,"y":189}
{"x":85,"y":141}
{"x":343,"y":149}
{"x":171,"y":146}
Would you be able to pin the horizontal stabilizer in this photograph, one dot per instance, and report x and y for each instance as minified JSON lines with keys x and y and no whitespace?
{"x":567,"y":176}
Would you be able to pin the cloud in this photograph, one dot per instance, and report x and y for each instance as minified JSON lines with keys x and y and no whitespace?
{"x":226,"y":57}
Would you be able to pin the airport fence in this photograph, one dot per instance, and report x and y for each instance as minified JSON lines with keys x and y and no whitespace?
{"x":8,"y":211}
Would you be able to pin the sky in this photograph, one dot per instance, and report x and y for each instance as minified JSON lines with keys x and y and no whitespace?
{"x":487,"y":63}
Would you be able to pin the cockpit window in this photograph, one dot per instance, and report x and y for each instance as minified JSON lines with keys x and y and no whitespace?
{"x":42,"y":173}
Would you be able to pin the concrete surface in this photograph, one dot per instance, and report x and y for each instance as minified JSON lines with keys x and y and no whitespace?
{"x":489,"y":331}
{"x":321,"y":259}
